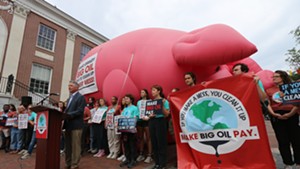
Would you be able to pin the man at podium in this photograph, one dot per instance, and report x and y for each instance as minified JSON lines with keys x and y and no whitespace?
{"x":73,"y":124}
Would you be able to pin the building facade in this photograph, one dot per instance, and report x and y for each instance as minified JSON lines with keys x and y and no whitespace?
{"x":41,"y":46}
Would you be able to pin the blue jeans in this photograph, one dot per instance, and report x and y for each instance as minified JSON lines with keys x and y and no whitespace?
{"x":32,"y":143}
{"x":16,"y":141}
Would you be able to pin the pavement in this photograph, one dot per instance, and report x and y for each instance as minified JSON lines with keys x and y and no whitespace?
{"x":13,"y":161}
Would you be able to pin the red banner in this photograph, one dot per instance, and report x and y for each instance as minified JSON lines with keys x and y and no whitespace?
{"x":220,"y":126}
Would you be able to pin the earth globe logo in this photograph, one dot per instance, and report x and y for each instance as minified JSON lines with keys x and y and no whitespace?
{"x":213,"y":115}
{"x":276,"y":97}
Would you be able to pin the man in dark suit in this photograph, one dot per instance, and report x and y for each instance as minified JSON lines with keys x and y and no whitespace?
{"x":73,"y":124}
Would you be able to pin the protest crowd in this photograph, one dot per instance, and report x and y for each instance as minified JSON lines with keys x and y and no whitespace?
{"x":135,"y":130}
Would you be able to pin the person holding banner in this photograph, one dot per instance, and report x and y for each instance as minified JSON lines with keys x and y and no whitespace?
{"x":241,"y":68}
{"x":158,"y":126}
{"x":129,"y":137}
{"x":190,"y":79}
{"x":143,"y":128}
{"x":113,"y":138}
{"x":284,"y":120}
{"x":100,"y":132}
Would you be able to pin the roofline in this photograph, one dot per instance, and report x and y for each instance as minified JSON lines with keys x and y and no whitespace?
{"x":57,"y":16}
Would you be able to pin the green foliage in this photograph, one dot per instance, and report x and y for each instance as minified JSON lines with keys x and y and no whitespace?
{"x":294,"y":53}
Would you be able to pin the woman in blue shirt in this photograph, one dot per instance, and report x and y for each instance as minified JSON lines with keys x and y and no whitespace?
{"x":129,"y":139}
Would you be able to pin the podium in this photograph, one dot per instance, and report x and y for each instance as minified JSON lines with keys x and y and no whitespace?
{"x":47,"y":150}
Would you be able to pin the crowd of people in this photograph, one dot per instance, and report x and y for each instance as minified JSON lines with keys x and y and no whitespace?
{"x":84,"y":131}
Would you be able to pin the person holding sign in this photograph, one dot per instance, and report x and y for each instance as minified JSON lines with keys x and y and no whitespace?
{"x":143,"y":128}
{"x":159,"y":109}
{"x":113,"y":138}
{"x":100,"y":132}
{"x":284,"y":120}
{"x":15,"y":137}
{"x":93,"y":126}
{"x":4,"y":115}
{"x":129,"y":138}
{"x":31,"y":121}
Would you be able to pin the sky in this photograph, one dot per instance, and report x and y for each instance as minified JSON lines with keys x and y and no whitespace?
{"x":265,"y":23}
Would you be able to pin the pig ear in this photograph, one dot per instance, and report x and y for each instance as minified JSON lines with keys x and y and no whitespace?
{"x":212,"y":45}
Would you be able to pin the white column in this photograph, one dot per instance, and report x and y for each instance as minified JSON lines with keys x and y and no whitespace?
{"x":15,"y":41}
{"x":68,"y":63}
{"x":3,"y":39}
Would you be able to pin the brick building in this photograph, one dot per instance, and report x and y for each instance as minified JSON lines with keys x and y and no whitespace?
{"x":41,"y":46}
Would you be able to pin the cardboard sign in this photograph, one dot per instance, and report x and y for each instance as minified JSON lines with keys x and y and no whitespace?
{"x":97,"y":118}
{"x":110,"y":119}
{"x":127,"y":125}
{"x":11,"y":121}
{"x":142,"y":108}
{"x":216,"y":124}
{"x":116,"y":124}
{"x":23,"y":121}
{"x":42,"y":122}
{"x":291,"y":92}
{"x":154,"y":107}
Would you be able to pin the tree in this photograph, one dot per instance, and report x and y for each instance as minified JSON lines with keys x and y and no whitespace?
{"x":294,"y":53}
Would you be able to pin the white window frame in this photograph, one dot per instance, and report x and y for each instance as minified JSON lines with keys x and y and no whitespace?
{"x":50,"y":77}
{"x":54,"y":39}
{"x":81,"y":47}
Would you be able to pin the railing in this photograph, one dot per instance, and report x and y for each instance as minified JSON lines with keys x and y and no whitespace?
{"x":10,"y":86}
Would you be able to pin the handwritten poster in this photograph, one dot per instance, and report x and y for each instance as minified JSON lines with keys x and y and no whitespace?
{"x":22,"y":121}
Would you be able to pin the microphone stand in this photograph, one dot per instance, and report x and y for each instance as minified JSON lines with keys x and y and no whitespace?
{"x":42,"y":101}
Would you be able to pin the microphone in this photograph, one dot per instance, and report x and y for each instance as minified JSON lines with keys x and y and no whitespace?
{"x":54,"y":94}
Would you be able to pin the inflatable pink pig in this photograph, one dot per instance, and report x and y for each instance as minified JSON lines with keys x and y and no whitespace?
{"x":142,"y":58}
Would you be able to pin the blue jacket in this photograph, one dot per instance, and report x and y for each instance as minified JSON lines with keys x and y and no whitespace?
{"x":75,"y":110}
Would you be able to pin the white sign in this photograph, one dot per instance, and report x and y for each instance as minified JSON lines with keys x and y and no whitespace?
{"x":86,"y":75}
{"x":22,"y":121}
{"x":142,"y":108}
{"x":97,"y":118}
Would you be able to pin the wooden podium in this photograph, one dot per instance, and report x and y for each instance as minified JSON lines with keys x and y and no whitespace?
{"x":47,"y":150}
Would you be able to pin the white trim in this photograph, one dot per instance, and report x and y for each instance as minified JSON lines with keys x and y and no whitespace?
{"x":3,"y":40}
{"x":37,"y":38}
{"x":44,"y":55}
{"x":46,"y":10}
{"x":67,"y":69}
{"x":14,"y":46}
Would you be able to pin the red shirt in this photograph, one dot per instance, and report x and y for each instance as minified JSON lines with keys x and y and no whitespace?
{"x":276,"y":103}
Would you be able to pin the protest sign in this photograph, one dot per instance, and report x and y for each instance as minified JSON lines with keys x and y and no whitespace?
{"x":291,"y":93}
{"x":154,"y":107}
{"x":109,"y":122}
{"x":11,"y":121}
{"x":97,"y":118}
{"x":127,"y":124}
{"x":142,"y":108}
{"x":22,"y":121}
{"x":219,"y":125}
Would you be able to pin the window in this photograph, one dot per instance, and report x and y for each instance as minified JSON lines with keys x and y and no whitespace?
{"x":40,"y":78}
{"x":46,"y":37}
{"x":84,"y":50}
